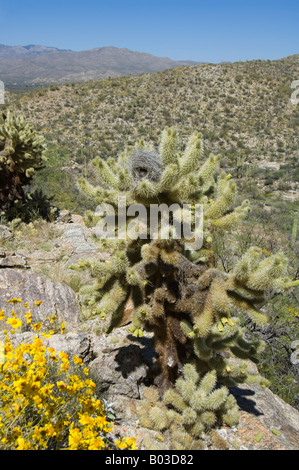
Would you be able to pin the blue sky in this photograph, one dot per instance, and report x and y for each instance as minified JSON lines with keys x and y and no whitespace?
{"x":212,"y":30}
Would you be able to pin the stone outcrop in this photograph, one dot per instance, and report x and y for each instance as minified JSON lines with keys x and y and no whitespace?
{"x":74,"y":236}
{"x":267,"y":422}
{"x":5,"y":233}
{"x":12,"y":260}
{"x":57,"y":298}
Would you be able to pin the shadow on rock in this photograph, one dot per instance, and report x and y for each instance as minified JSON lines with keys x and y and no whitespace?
{"x":245,"y":403}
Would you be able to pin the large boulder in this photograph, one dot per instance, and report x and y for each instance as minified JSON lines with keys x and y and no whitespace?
{"x":120,"y":372}
{"x":57,"y":298}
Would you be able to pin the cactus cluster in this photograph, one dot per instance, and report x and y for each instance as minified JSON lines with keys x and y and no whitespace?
{"x":22,"y":153}
{"x":177,"y":291}
{"x":193,"y":407}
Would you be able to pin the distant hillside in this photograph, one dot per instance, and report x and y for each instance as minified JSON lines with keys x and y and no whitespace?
{"x":243,"y":109}
{"x":40,"y":65}
{"x":12,"y":52}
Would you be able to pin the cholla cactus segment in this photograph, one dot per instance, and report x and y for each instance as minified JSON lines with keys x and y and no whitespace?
{"x":168,"y":146}
{"x":169,"y":177}
{"x":88,"y":189}
{"x":224,"y":201}
{"x":105,"y":172}
{"x":201,"y":404}
{"x":190,"y":160}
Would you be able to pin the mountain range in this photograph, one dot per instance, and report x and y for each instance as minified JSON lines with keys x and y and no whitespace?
{"x":12,"y":52}
{"x":42,"y":65}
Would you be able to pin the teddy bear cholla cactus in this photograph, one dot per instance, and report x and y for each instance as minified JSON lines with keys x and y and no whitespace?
{"x":22,"y":152}
{"x":177,"y":292}
{"x":193,"y":407}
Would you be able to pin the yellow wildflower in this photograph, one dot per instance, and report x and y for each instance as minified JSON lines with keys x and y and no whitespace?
{"x":50,"y":430}
{"x":52,"y":318}
{"x":53,"y":354}
{"x":14,"y":322}
{"x":62,"y":386}
{"x":66,"y":409}
{"x":85,"y":419}
{"x":22,"y":444}
{"x":77,"y":360}
{"x":14,"y":301}
{"x":48,"y":335}
{"x":28,"y":316}
{"x":96,"y":444}
{"x":74,"y":438}
{"x":19,"y":385}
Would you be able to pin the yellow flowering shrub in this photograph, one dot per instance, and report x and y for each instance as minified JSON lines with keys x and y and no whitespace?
{"x":47,"y":400}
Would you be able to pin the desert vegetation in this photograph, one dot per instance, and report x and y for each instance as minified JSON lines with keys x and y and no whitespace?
{"x":218,"y":135}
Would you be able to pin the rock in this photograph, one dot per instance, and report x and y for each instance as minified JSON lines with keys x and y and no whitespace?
{"x":73,"y":343}
{"x":74,"y":235}
{"x":64,"y":216}
{"x":120,"y":372}
{"x":271,"y":412}
{"x":78,"y":219}
{"x":121,"y":369}
{"x":57,"y":298}
{"x":5,"y":233}
{"x":12,"y":260}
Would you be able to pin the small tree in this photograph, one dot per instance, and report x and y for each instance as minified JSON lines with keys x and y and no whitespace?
{"x":22,"y":153}
{"x":178,"y":294}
